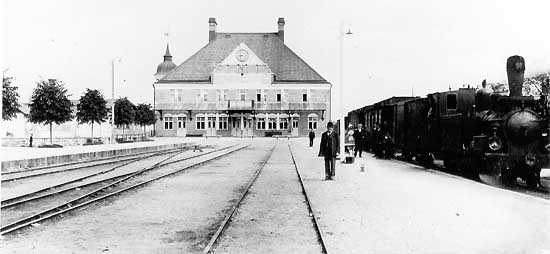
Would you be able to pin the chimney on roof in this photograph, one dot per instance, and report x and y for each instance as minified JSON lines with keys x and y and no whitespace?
{"x":212,"y":29}
{"x":281,"y":29}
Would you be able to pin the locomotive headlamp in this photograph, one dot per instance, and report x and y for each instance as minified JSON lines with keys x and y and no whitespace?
{"x":495,"y":143}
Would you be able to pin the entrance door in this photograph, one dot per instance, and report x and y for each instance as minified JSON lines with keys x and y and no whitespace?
{"x":211,"y":126}
{"x":181,"y":126}
{"x":248,"y":128}
{"x":236,"y":127}
{"x":294,"y":131}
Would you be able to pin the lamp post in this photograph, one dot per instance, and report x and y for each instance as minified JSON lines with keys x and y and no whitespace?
{"x":118,"y":59}
{"x":342,"y":110}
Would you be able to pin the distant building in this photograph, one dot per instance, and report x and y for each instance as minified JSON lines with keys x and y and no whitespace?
{"x":240,"y":84}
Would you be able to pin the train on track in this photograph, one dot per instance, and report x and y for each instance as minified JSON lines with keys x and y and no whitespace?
{"x":485,"y":135}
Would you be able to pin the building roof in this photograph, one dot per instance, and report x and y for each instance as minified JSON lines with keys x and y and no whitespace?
{"x":167,"y":65}
{"x":286,"y":65}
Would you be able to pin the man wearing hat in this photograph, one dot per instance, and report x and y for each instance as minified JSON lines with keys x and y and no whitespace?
{"x":329,"y":149}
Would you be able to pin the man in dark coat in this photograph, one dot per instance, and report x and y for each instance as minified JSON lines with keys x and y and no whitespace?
{"x":329,"y":149}
{"x":360,"y":137}
{"x":311,"y":137}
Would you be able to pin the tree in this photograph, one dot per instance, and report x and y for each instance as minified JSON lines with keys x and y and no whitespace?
{"x":124,"y":113}
{"x":144,"y":116}
{"x":49,"y":104}
{"x":92,"y":108}
{"x":10,"y":99}
{"x":532,"y":86}
{"x":499,"y":88}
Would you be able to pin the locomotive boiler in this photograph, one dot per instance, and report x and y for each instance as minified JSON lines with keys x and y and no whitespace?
{"x":512,"y":136}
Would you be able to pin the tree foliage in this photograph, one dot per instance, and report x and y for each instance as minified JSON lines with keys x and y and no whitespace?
{"x":124,"y":112}
{"x":92,"y":108}
{"x":50,"y":104}
{"x":10,"y":99}
{"x":144,"y":115}
{"x":532,"y":86}
{"x":498,"y":87}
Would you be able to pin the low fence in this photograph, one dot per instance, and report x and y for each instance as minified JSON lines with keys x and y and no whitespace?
{"x":29,"y":164}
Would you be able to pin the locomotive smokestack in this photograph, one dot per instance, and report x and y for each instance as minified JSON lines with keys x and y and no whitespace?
{"x":515,"y":68}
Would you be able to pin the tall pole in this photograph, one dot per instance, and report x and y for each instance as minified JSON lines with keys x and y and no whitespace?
{"x":118,"y":59}
{"x":113,"y":101}
{"x":342,"y":128}
{"x":342,"y":109}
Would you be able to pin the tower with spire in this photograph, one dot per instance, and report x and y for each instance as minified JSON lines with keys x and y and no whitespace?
{"x":166,"y":66}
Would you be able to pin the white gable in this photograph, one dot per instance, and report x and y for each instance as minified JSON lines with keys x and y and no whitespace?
{"x":242,"y":55}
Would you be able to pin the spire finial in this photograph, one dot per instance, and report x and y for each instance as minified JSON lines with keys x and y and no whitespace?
{"x":167,"y":50}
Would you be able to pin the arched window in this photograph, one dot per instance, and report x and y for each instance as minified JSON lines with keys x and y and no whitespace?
{"x":168,"y":122}
{"x":200,"y":120}
{"x":312,"y":120}
{"x":223,"y":121}
{"x":260,"y":121}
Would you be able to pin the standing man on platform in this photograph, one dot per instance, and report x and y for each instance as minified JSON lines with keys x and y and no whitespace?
{"x":360,"y":137}
{"x":329,"y":149}
{"x":311,"y":137}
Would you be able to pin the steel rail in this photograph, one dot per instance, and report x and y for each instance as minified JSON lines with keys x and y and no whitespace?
{"x":311,"y":211}
{"x":72,"y":204}
{"x":210,"y":246}
{"x":10,"y":200}
{"x":112,"y":160}
{"x":19,"y":199}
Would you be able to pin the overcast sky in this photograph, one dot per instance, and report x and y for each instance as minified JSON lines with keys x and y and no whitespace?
{"x":397,"y":46}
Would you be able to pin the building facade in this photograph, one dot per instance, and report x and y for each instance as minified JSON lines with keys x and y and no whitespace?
{"x":240,"y":84}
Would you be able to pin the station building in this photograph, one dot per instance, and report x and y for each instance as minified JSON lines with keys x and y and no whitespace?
{"x":240,"y":84}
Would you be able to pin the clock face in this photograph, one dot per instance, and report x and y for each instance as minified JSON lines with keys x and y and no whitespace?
{"x":242,"y":55}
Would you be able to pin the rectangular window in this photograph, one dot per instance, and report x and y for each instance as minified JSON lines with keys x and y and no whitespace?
{"x":304,"y":97}
{"x":225,"y":92}
{"x":279,"y":97}
{"x":258,"y":97}
{"x":200,"y":122}
{"x":283,"y":123}
{"x":180,"y":94}
{"x":242,"y":95}
{"x":204,"y":95}
{"x":312,"y":122}
{"x":260,"y":123}
{"x":451,"y":101}
{"x":168,"y":123}
{"x":222,"y":123}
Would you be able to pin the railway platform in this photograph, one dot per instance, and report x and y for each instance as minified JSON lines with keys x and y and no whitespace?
{"x":268,"y":196}
{"x":397,"y":207}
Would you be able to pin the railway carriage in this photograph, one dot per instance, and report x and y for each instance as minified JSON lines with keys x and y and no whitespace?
{"x":489,"y":136}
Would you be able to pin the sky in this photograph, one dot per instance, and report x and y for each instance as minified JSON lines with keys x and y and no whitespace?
{"x":398,"y":48}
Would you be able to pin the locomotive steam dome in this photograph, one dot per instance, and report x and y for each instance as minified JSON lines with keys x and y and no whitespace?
{"x":523,"y":127}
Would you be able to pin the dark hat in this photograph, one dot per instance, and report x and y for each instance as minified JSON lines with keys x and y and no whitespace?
{"x":330,"y":124}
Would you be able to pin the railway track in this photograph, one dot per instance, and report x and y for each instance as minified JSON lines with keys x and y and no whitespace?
{"x":210,"y":247}
{"x":116,"y":187}
{"x":35,"y":172}
{"x":14,"y":200}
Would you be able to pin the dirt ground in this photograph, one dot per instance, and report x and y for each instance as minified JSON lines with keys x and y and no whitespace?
{"x":173,"y":215}
{"x":273,"y":217}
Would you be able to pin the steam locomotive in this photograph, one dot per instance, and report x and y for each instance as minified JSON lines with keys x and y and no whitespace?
{"x":485,"y":135}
